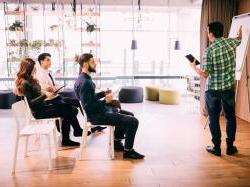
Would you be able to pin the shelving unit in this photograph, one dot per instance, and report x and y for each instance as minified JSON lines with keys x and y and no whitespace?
{"x":76,"y":24}
{"x":57,"y":25}
{"x":22,"y":42}
{"x":16,"y":37}
{"x":91,"y":42}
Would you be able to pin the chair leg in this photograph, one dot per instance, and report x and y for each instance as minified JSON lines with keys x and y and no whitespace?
{"x":81,"y":150}
{"x":26,"y":146}
{"x":110,"y":136}
{"x":60,"y":127}
{"x":83,"y":141}
{"x":49,"y":153}
{"x":112,"y":142}
{"x":15,"y":155}
{"x":85,"y":133}
{"x":55,"y":142}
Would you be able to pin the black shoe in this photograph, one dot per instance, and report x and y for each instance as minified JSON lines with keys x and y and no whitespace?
{"x":214,"y":150}
{"x":132,"y":155}
{"x":79,"y":133}
{"x":231,"y":150}
{"x":97,"y":129}
{"x":118,"y":146}
{"x":70,"y":143}
{"x":89,"y":133}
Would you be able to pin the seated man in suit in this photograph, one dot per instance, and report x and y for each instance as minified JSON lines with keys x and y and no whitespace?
{"x":100,"y":113}
{"x":48,"y":83}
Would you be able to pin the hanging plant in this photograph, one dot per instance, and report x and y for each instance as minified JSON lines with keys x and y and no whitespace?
{"x":12,"y":43}
{"x":76,"y":59}
{"x":90,"y":27}
{"x":24,"y":43}
{"x":91,"y":10}
{"x":14,"y":59}
{"x":74,"y":6}
{"x":36,"y":45}
{"x":11,"y":53}
{"x":34,"y":8}
{"x":56,"y":44}
{"x":53,"y":27}
{"x":16,"y":26}
{"x":52,"y":42}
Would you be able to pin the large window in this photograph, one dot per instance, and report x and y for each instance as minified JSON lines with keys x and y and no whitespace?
{"x":156,"y":33}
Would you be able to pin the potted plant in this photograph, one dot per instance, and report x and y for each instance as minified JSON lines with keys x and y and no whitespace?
{"x":90,"y":27}
{"x":12,"y":43}
{"x":36,"y":45}
{"x":16,"y":26}
{"x":23,"y":43}
{"x":52,"y":42}
{"x":34,"y":8}
{"x":54,"y":27}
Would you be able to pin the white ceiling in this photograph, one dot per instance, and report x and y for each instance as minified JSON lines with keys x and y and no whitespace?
{"x":118,"y":2}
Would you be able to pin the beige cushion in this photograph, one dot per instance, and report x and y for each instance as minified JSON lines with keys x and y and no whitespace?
{"x":152,"y":93}
{"x":169,"y":96}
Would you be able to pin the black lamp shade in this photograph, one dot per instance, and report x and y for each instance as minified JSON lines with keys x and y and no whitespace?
{"x":53,"y":6}
{"x":134,"y":45}
{"x":177,"y":45}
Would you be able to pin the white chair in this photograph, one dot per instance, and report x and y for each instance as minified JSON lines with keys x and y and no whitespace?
{"x":27,"y":127}
{"x":32,"y":120}
{"x":86,"y":126}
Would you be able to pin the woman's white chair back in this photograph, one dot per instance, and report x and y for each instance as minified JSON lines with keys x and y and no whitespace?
{"x":29,"y":112}
{"x":20,"y":113}
{"x":33,"y":120}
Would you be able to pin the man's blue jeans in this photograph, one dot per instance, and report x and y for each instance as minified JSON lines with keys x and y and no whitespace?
{"x":215,"y":99}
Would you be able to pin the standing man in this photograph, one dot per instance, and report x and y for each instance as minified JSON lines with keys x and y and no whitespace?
{"x":99,"y":113}
{"x":219,"y":70}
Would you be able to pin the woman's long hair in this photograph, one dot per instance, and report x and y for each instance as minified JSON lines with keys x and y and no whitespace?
{"x":25,"y":74}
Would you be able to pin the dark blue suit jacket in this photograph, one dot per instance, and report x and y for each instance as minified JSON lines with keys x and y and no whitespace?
{"x":85,"y":91}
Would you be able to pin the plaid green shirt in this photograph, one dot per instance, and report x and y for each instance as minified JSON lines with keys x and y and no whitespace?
{"x":219,"y":62}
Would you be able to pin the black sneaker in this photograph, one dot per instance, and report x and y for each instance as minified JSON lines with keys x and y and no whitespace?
{"x":79,"y":133}
{"x":118,"y":146}
{"x":214,"y":150}
{"x":132,"y":155}
{"x":231,"y":150}
{"x":70,"y":143}
{"x":97,"y":129}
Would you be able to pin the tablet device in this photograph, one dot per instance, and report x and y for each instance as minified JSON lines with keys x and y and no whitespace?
{"x":51,"y":98}
{"x":59,"y":89}
{"x":191,"y":59}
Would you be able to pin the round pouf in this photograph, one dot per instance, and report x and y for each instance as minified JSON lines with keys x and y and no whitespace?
{"x":152,"y":93}
{"x":7,"y":98}
{"x":131,"y":94}
{"x":169,"y":96}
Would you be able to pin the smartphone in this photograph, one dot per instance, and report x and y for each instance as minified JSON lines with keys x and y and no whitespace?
{"x":191,"y":59}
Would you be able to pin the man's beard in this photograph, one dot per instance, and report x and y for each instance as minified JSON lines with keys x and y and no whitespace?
{"x":91,"y":70}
